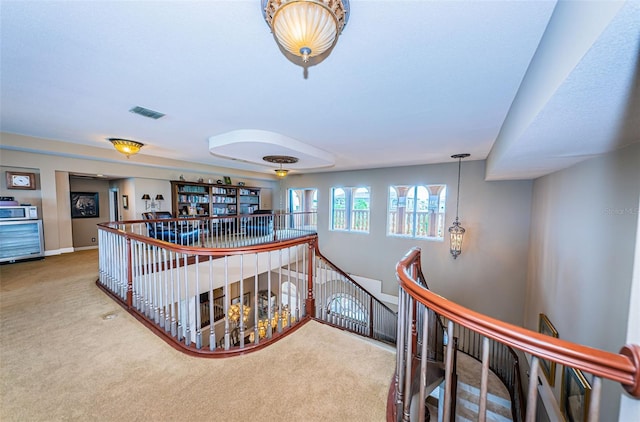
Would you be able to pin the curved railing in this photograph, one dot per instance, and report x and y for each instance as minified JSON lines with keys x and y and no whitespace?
{"x":230,"y":288}
{"x":623,"y":367}
{"x":202,"y":300}
{"x":343,"y":302}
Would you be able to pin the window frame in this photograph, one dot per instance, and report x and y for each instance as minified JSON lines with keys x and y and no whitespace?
{"x":349,"y":209}
{"x":439,"y":215}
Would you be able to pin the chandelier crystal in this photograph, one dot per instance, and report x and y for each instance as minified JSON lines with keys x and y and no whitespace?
{"x":306,"y":28}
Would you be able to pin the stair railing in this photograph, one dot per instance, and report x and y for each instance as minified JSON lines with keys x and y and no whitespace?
{"x":173,"y":289}
{"x":225,"y":293}
{"x":623,"y":367}
{"x":503,"y":361}
{"x":342,"y":302}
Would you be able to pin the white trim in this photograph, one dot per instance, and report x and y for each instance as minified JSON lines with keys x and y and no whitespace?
{"x":52,"y":252}
{"x":84,"y":248}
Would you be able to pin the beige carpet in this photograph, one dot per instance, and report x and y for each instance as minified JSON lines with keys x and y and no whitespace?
{"x":62,"y":360}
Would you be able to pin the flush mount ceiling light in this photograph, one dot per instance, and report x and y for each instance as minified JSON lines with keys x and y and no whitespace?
{"x":306,"y":28}
{"x":126,"y":146}
{"x":280,"y":159}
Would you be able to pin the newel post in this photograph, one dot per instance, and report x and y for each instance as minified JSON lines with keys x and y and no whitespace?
{"x":632,"y":351}
{"x":310,"y":302}
{"x":129,"y":276}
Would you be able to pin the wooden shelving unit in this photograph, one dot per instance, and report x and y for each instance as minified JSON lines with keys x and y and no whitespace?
{"x":248,"y":200}
{"x":205,"y":199}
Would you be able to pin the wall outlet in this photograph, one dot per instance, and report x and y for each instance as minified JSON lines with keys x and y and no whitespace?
{"x":93,"y":239}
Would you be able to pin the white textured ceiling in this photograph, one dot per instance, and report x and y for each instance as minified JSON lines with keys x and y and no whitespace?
{"x":409,"y":82}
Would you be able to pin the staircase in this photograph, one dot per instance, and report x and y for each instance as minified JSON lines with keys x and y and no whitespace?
{"x":468,"y":395}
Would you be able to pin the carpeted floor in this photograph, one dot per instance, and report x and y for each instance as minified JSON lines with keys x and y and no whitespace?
{"x":62,"y":358}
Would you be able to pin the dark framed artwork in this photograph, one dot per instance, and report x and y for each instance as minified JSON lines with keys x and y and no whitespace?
{"x":574,"y":395}
{"x":548,"y":367}
{"x":246,"y":298}
{"x":85,"y":205}
{"x":227,"y":180}
{"x":125,"y":202}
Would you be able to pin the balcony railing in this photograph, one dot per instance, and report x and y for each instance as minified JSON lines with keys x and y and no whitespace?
{"x":427,"y":224}
{"x":418,"y":305}
{"x":224,"y":292}
{"x":358,"y":220}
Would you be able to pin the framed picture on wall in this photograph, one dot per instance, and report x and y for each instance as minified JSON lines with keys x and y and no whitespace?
{"x":125,"y":202}
{"x":246,"y":299}
{"x":85,"y":205}
{"x":20,"y":180}
{"x":548,"y":367}
{"x":227,"y":180}
{"x":574,"y":395}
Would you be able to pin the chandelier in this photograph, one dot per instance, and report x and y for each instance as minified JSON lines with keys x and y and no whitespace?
{"x":236,"y":310}
{"x":284,"y":317}
{"x":306,"y":28}
{"x":456,"y":232}
{"x":280,"y":159}
{"x":126,"y":146}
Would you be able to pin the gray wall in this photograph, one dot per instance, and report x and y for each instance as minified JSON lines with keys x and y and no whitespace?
{"x":489,"y":276}
{"x":85,"y":230}
{"x":583,"y":236}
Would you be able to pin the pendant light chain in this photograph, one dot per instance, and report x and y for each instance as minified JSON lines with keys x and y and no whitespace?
{"x":458,"y":192}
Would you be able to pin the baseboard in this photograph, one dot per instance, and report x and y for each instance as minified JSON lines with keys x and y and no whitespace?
{"x":85,"y":248}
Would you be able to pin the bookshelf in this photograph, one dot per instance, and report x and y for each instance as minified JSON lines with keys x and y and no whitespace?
{"x":194,"y":199}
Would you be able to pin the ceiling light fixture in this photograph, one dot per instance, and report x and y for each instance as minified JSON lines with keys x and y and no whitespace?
{"x":126,"y":146}
{"x":306,"y":28}
{"x":282,"y":172}
{"x":280,"y":159}
{"x":456,"y":232}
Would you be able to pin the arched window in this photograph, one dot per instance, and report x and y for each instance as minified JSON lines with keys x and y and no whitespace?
{"x":350,"y":209}
{"x":348,"y":307}
{"x":416,"y":211}
{"x":360,"y":210}
{"x":289,"y":297}
{"x":338,"y":209}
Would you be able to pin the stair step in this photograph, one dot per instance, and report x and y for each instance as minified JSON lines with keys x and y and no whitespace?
{"x":467,"y":404}
{"x":470,"y":402}
{"x":491,"y":398}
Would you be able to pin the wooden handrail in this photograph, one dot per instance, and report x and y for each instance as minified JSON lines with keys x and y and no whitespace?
{"x":204,"y":251}
{"x":348,"y":277}
{"x":623,"y":367}
{"x":190,"y":253}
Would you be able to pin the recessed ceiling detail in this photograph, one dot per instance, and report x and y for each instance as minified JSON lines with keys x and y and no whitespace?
{"x":251,"y":145}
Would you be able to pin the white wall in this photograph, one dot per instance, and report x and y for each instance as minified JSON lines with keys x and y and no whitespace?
{"x":630,"y":407}
{"x":489,"y":276}
{"x":583,"y":239}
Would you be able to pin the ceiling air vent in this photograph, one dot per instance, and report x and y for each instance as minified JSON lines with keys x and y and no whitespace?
{"x":146,"y":112}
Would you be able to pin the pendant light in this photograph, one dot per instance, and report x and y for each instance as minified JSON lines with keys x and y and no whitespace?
{"x":456,"y":232}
